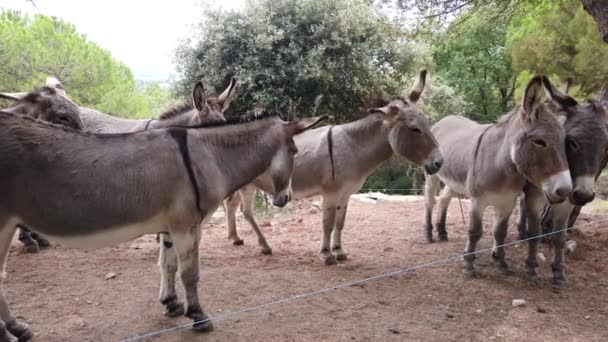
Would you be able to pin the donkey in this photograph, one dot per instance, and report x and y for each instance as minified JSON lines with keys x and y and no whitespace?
{"x":586,"y":128}
{"x":582,"y":150}
{"x":96,"y":190}
{"x":201,"y":110}
{"x":47,"y":104}
{"x":334,"y":162}
{"x":491,"y":163}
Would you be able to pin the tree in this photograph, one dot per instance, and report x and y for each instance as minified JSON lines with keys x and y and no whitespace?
{"x":471,"y":57}
{"x":288,"y":53}
{"x":598,"y":9}
{"x":559,"y":39}
{"x":32,"y":49}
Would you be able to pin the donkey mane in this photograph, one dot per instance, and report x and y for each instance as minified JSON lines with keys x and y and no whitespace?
{"x":235,"y":120}
{"x":176,"y":111}
{"x":230,"y":122}
{"x":376,"y":102}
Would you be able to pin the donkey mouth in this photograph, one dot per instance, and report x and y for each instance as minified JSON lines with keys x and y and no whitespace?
{"x":431,"y":169}
{"x":554,"y":199}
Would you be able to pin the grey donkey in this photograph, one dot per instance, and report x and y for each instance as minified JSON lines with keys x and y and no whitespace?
{"x":47,"y":104}
{"x":200,"y":109}
{"x":96,"y":190}
{"x":334,"y":162}
{"x":586,"y":128}
{"x":491,"y":163}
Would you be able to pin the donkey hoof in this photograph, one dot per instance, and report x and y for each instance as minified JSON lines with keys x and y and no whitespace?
{"x":174,"y":309}
{"x":342,"y":257}
{"x":202,"y":324}
{"x":31,"y":248}
{"x":443,"y":237}
{"x":43,"y":243}
{"x":267,"y":251}
{"x":21,"y":331}
{"x":534,"y":280}
{"x":469,"y":272}
{"x":330,"y":260}
{"x":238,"y":242}
{"x":559,"y":284}
{"x":504,"y":270}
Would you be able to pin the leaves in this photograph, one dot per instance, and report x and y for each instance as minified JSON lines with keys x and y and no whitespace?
{"x":287,"y":51}
{"x":31,"y":49}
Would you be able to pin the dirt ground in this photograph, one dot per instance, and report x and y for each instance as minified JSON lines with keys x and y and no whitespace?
{"x":64,"y":296}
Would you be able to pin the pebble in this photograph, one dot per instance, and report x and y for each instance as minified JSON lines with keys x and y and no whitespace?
{"x":110,"y":275}
{"x":518,"y":302}
{"x":542,"y":257}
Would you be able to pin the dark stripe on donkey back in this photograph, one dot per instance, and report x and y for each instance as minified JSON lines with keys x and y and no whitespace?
{"x":181,"y":138}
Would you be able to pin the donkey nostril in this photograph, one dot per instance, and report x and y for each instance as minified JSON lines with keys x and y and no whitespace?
{"x":562,"y":192}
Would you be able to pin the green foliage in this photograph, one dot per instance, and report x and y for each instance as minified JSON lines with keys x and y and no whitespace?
{"x":32,"y":49}
{"x":471,"y":57}
{"x":559,"y":38}
{"x":290,"y":52}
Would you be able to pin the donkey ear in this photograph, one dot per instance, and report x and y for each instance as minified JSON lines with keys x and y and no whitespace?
{"x":418,"y":87}
{"x":557,"y":96}
{"x":533,"y":97}
{"x":301,"y":125}
{"x":199,"y":97}
{"x":13,"y":96}
{"x":54,"y":83}
{"x":228,"y":95}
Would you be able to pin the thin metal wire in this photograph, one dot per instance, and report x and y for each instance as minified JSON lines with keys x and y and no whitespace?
{"x":349,"y":284}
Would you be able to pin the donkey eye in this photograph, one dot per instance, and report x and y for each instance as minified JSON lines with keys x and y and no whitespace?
{"x":415,"y":130}
{"x":571,"y":144}
{"x":540,"y":142}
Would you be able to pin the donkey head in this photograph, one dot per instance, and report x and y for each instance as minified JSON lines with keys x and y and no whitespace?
{"x":48,"y":105}
{"x":409,"y":129}
{"x":281,"y":166}
{"x":211,"y":109}
{"x":586,"y":141}
{"x":537,"y":145}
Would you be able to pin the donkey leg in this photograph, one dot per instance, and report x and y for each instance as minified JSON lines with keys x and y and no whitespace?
{"x":337,"y":234}
{"x":561,"y":213}
{"x":167,"y":262}
{"x":5,"y":335}
{"x":474,"y":234}
{"x":187,"y":244}
{"x":431,"y":186}
{"x":247,"y":194}
{"x":231,"y":204}
{"x":501,"y":225}
{"x":329,"y":221}
{"x":534,"y":205}
{"x":442,"y":211}
{"x":16,"y":328}
{"x":29,"y":244}
{"x":522,"y":228}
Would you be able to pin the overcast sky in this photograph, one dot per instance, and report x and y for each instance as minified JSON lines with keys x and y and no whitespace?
{"x":142,"y":34}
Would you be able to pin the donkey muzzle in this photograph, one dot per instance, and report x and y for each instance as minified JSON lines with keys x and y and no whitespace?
{"x":433,"y":164}
{"x":583,"y":192}
{"x":557,"y":188}
{"x":281,"y":200}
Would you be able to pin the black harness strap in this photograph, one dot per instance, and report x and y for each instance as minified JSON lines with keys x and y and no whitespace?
{"x":181,"y":137}
{"x":477,"y":150}
{"x":148,"y":124}
{"x":330,"y":146}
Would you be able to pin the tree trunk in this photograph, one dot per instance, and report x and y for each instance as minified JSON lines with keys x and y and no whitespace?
{"x":598,"y":9}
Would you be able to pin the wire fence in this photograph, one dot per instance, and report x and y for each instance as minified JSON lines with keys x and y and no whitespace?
{"x":347,"y":284}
